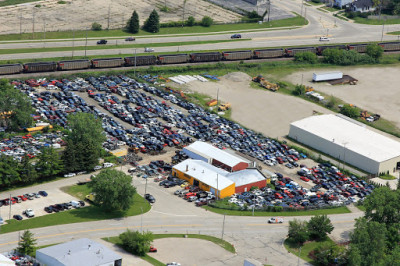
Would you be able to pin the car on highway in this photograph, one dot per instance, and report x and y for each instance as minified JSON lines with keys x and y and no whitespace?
{"x":148,"y":50}
{"x":324,"y":39}
{"x":275,"y":220}
{"x":130,"y":39}
{"x":17,"y":217}
{"x":173,"y":264}
{"x":102,"y":42}
{"x":149,"y":198}
{"x":236,"y":36}
{"x":29,"y":213}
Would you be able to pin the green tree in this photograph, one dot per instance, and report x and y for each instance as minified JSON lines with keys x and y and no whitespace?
{"x":50,"y":163}
{"x":113,"y":190}
{"x":26,"y":243}
{"x":27,"y":171}
{"x":383,"y":206}
{"x":368,"y":241}
{"x":133,"y":23}
{"x":298,"y":231}
{"x":96,"y":26}
{"x":350,"y":111}
{"x":299,"y":90}
{"x":319,"y":226}
{"x":8,"y":171}
{"x":190,"y":21}
{"x":136,"y":242}
{"x":206,"y":21}
{"x":152,"y":23}
{"x":374,"y":51}
{"x":306,"y":57}
{"x":15,"y":107}
{"x":84,"y":142}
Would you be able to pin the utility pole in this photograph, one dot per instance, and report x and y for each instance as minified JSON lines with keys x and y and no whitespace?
{"x":145,"y":188}
{"x":73,"y":43}
{"x":20,"y":24}
{"x":223,"y":228}
{"x":86,"y":41}
{"x":108,"y":19}
{"x":9,"y":213}
{"x":183,"y":12}
{"x":134,"y":71}
{"x":44,"y":32}
{"x":302,"y":4}
{"x":33,"y":23}
{"x":269,"y":9}
{"x":383,"y":28}
{"x":217,"y":95}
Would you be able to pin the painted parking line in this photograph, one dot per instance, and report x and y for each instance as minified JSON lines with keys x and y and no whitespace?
{"x":109,"y":229}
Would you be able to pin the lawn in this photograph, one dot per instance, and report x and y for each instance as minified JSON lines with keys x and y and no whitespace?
{"x":86,"y":214}
{"x":15,"y":2}
{"x":387,"y":177}
{"x":295,"y":21}
{"x":114,"y":46}
{"x":337,"y":210}
{"x":222,"y":243}
{"x":376,"y":21}
{"x":394,"y":33}
{"x":306,"y":248}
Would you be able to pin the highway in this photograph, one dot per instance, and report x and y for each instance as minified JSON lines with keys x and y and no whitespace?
{"x":320,"y":24}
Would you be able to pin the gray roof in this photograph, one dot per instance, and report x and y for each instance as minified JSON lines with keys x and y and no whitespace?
{"x":362,"y":3}
{"x":245,"y":177}
{"x":209,"y":151}
{"x":79,"y":252}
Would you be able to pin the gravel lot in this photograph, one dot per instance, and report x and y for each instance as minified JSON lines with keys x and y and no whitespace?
{"x":377,"y":90}
{"x":261,"y":110}
{"x":82,"y":13}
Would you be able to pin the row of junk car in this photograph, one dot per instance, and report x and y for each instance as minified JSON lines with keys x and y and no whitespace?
{"x":156,"y":122}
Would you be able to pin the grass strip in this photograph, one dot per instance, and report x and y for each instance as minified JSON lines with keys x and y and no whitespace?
{"x":338,"y":210}
{"x":288,"y":22}
{"x":305,"y":249}
{"x":86,"y":214}
{"x":107,"y":47}
{"x":387,"y":177}
{"x":381,"y":21}
{"x":15,"y":2}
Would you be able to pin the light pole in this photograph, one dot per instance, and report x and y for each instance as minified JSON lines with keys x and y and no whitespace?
{"x":217,"y":95}
{"x":141,"y":221}
{"x":73,"y":43}
{"x":269,"y":9}
{"x":86,"y":41}
{"x":383,"y":28}
{"x":145,"y":188}
{"x":134,"y":71}
{"x":223,"y":228}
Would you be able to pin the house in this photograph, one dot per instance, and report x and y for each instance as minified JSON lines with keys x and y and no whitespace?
{"x":342,"y":3}
{"x":362,"y":6}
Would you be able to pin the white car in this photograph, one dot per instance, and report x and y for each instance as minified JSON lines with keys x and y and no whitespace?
{"x":70,"y":175}
{"x":107,"y":165}
{"x":324,"y":39}
{"x":149,"y":50}
{"x":97,"y":167}
{"x":173,"y":264}
{"x":29,"y":213}
{"x":275,"y":220}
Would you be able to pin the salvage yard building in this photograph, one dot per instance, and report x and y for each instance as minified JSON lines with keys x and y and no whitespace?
{"x":216,"y":180}
{"x":349,"y":141}
{"x":203,"y":151}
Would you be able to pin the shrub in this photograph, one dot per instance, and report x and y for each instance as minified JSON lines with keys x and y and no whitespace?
{"x":278,"y":208}
{"x":190,"y":21}
{"x":96,"y":26}
{"x":299,"y":89}
{"x":350,"y":111}
{"x":374,"y":51}
{"x":135,"y":242}
{"x":206,"y":21}
{"x":345,"y":58}
{"x":307,"y":57}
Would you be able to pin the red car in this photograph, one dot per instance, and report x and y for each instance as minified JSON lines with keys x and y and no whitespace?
{"x":189,"y":194}
{"x":152,"y":249}
{"x":278,"y":196}
{"x":23,"y":198}
{"x":305,"y":179}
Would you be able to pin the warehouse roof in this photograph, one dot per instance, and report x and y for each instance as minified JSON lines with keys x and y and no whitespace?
{"x":245,"y":177}
{"x":352,"y":135}
{"x":209,"y":151}
{"x":205,"y":173}
{"x":82,"y":251}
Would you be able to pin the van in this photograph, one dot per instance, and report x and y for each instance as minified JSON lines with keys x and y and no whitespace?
{"x":75,"y":204}
{"x":324,"y":39}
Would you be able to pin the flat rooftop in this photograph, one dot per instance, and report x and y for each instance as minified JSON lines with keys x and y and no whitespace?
{"x":352,"y":135}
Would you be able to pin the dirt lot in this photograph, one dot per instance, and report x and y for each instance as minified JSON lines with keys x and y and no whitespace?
{"x":261,"y":110}
{"x":202,"y":252}
{"x":377,"y":90}
{"x":80,"y":14}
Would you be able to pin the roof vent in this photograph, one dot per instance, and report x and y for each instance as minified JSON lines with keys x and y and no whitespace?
{"x":89,"y":246}
{"x":69,"y":252}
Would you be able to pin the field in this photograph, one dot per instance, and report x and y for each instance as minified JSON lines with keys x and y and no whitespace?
{"x":50,"y":14}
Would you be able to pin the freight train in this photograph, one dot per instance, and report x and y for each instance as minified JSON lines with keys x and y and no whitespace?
{"x":146,"y":60}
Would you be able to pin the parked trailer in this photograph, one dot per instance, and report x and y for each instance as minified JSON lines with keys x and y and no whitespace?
{"x":320,"y":49}
{"x":74,"y":64}
{"x":327,"y":76}
{"x":107,"y":62}
{"x":205,"y":57}
{"x":142,"y":60}
{"x":293,"y":51}
{"x":361,"y":48}
{"x":172,"y":58}
{"x":269,"y":53}
{"x":40,"y":67}
{"x":11,"y":69}
{"x":237,"y":55}
{"x":390,"y":46}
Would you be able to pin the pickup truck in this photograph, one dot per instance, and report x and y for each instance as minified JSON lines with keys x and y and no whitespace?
{"x":275,"y":220}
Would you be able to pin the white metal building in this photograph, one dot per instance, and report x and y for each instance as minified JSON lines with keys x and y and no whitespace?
{"x":203,"y":151}
{"x":348,"y":140}
{"x":80,"y":252}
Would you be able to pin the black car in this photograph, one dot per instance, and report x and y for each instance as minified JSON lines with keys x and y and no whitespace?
{"x":102,"y":42}
{"x":236,"y":36}
{"x":150,"y":198}
{"x":43,"y":193}
{"x":48,"y":209}
{"x":82,"y":203}
{"x":18,"y":217}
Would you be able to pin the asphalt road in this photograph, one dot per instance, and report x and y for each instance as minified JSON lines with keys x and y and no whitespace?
{"x":320,"y":24}
{"x":252,"y":237}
